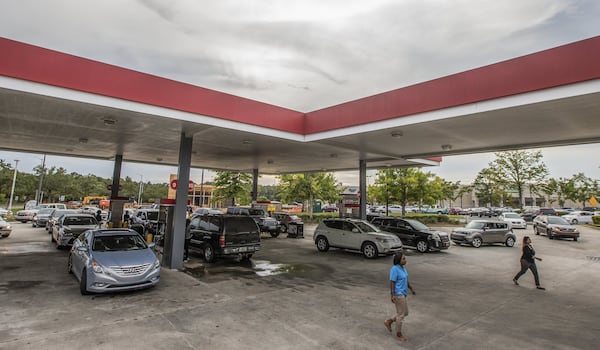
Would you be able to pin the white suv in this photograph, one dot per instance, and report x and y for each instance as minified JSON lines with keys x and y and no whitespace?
{"x":355,"y":234}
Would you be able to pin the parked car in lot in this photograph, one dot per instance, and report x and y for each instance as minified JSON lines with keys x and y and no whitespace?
{"x":26,"y":215}
{"x":480,"y":232}
{"x":435,"y":210}
{"x":481,"y":212}
{"x":69,"y":226}
{"x":413,"y":233}
{"x":531,"y":214}
{"x":224,"y":235}
{"x":113,"y":260}
{"x":330,"y":209}
{"x":355,"y":234}
{"x":515,"y":220}
{"x":579,"y":217}
{"x":3,"y":212}
{"x":40,"y":219}
{"x":5,"y":228}
{"x":554,"y":227}
{"x":57,"y":213}
{"x":264,"y":221}
{"x":145,"y":220}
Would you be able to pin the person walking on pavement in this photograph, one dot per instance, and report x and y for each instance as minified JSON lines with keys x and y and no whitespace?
{"x":528,"y":259}
{"x":399,"y":286}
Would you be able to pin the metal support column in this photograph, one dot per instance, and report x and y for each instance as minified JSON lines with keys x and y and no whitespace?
{"x":362,"y":187}
{"x":181,"y":199}
{"x":116,"y":179}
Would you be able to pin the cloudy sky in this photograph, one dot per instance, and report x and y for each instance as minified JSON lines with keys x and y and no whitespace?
{"x":304,"y":55}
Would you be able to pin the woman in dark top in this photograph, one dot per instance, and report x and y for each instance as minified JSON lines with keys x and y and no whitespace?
{"x":528,"y":262}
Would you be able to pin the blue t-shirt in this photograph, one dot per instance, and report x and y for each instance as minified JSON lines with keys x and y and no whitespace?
{"x":399,"y":276}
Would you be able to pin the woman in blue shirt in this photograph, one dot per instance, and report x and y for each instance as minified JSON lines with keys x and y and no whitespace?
{"x":399,"y":287}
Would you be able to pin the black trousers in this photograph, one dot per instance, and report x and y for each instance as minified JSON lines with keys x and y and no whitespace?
{"x":531,"y":266}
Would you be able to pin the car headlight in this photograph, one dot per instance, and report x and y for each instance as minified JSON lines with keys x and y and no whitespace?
{"x":384,"y":240}
{"x":156,"y":264}
{"x":97,"y":267}
{"x":435,"y":236}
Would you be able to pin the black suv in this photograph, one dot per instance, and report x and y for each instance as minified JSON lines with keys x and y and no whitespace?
{"x":264,"y":221}
{"x":224,"y":235}
{"x":413,"y":233}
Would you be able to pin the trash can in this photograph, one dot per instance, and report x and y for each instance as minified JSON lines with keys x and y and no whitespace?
{"x":295,"y":230}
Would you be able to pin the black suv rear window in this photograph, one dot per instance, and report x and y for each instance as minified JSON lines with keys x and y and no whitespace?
{"x":240,"y":224}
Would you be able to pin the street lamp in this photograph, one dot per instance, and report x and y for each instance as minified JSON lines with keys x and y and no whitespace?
{"x":12,"y":190}
{"x":141,"y":188}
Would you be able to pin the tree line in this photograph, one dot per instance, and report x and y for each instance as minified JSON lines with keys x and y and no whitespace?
{"x":511,"y":172}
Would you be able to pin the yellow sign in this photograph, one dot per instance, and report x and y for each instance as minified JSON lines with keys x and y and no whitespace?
{"x":593,"y":201}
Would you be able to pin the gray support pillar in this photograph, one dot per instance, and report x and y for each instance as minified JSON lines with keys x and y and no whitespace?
{"x":116,"y":180}
{"x":181,"y":199}
{"x":254,"y":184}
{"x":362,"y":187}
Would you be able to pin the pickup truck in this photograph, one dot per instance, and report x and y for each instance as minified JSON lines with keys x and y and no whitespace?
{"x":264,"y":221}
{"x":224,"y":235}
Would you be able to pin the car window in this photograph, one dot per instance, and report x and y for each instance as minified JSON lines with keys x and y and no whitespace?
{"x":214,"y":224}
{"x":366,"y":227}
{"x":240,"y":224}
{"x":348,"y":226}
{"x":478,"y":225}
{"x":336,"y":224}
{"x":557,"y":220}
{"x":118,"y":243}
{"x":417,"y":225}
{"x":195,"y":221}
{"x":152,"y":215}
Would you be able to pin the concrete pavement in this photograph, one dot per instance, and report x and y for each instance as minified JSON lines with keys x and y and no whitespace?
{"x":293,"y":297}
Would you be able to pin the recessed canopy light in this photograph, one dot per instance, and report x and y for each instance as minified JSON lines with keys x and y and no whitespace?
{"x":109,"y":121}
{"x":83,"y":140}
{"x":446,"y":147}
{"x":159,"y":159}
{"x":397,"y":133}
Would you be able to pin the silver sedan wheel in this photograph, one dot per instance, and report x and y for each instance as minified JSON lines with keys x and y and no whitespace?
{"x":477,"y":242}
{"x":422,"y":246}
{"x":369,"y":250}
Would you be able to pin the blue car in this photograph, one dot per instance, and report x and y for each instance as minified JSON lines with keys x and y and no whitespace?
{"x":112,"y":260}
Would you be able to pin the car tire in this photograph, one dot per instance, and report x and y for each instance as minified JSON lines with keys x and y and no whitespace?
{"x":322,"y":244}
{"x":574,"y":222}
{"x":52,"y":238}
{"x":274,"y":234}
{"x":422,"y":246}
{"x":574,"y":239}
{"x":535,"y":229}
{"x":510,"y":242}
{"x":70,"y":264}
{"x":550,"y":235}
{"x":369,"y":250}
{"x":283,"y":229}
{"x":209,"y":253}
{"x":246,"y":256}
{"x":477,"y":242}
{"x":83,"y":283}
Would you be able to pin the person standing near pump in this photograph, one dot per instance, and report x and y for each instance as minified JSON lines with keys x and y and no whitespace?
{"x":399,"y":287}
{"x":528,"y":259}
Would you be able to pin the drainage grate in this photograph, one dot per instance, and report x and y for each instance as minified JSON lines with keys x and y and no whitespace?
{"x":593,"y":258}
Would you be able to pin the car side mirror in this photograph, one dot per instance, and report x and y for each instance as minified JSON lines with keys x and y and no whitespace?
{"x":355,"y":230}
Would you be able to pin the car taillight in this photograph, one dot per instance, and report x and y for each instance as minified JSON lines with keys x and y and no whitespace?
{"x":222,"y":241}
{"x":290,"y":220}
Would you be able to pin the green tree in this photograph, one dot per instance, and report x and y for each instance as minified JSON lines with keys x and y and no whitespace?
{"x":233,"y":185}
{"x":584,"y":188}
{"x":518,"y":169}
{"x":309,"y":187}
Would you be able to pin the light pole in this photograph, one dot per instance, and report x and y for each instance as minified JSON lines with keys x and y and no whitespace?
{"x":12,"y":190}
{"x":39,"y":195}
{"x":141,"y":188}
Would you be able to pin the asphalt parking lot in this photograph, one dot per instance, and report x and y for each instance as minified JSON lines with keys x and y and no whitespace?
{"x":292,"y":297}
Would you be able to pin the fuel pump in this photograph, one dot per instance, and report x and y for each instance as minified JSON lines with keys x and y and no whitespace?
{"x":166,"y":213}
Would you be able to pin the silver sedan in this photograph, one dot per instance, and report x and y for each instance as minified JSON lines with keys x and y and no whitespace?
{"x":113,"y":260}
